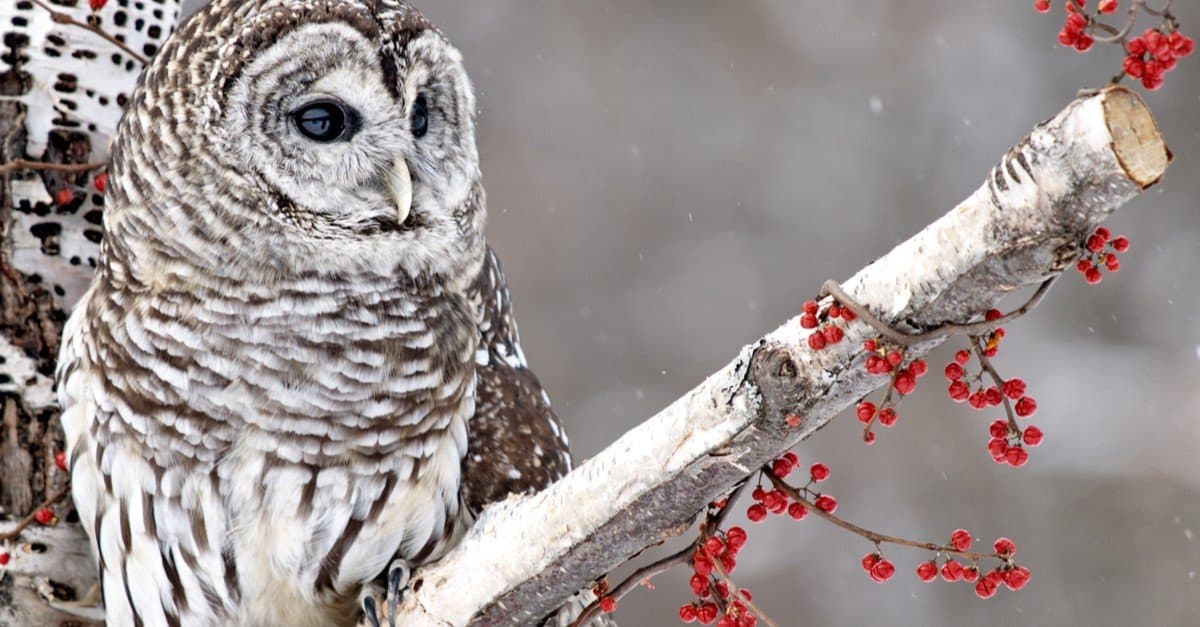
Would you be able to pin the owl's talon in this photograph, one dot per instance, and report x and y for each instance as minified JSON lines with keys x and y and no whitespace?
{"x":368,"y":607}
{"x":398,"y":574}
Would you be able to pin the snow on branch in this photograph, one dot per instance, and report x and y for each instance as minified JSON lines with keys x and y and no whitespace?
{"x":1024,"y":225}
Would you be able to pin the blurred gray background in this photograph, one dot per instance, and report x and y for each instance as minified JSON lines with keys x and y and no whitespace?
{"x":668,"y":180}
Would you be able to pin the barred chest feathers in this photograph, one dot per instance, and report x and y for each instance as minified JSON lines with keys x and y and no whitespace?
{"x":310,"y":436}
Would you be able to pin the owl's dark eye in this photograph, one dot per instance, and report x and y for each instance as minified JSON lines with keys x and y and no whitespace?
{"x":326,"y":120}
{"x":420,"y":117}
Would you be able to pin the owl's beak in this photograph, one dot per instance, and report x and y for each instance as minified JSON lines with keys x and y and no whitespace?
{"x":399,"y":183}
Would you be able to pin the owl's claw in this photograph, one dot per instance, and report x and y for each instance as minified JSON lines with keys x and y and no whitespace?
{"x":369,"y":613}
{"x":398,"y":574}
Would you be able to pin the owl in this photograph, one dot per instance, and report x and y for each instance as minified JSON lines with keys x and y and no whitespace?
{"x":296,"y":372}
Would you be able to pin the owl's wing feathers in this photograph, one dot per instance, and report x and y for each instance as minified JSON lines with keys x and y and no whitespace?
{"x":516,"y":442}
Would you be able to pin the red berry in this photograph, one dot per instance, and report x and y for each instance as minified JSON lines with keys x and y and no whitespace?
{"x":1111,"y":263}
{"x":810,"y":307}
{"x":986,"y":588}
{"x":962,"y":357}
{"x":833,"y":334}
{"x":970,"y":573}
{"x":960,"y":539}
{"x":758,"y":493}
{"x":1108,"y":6}
{"x":63,"y":197}
{"x":1005,"y":547}
{"x":819,"y":472}
{"x":904,"y":382}
{"x":96,"y":5}
{"x":959,"y":391}
{"x":714,"y":546}
{"x":998,"y":429}
{"x":882,"y":571}
{"x":978,"y":400}
{"x":1093,"y":276}
{"x":826,"y":503}
{"x":1041,"y":6}
{"x":888,"y":417}
{"x":1120,"y":243}
{"x":60,"y":460}
{"x":797,"y":511}
{"x":1076,"y":21}
{"x":927,"y":571}
{"x":707,"y":613}
{"x":791,"y":456}
{"x":1181,"y":44}
{"x":698,"y":584}
{"x":954,"y":372}
{"x":1032,"y":436}
{"x":756,"y":513}
{"x":816,"y":341}
{"x":1084,"y":42}
{"x":688,"y":613}
{"x":1095,"y":243}
{"x":835,"y":311}
{"x":1067,"y":37}
{"x":865,"y":411}
{"x":1016,"y":578}
{"x":869,"y":438}
{"x":1103,"y":233}
{"x":781,"y":468}
{"x":870,"y":560}
{"x":894,"y":358}
{"x":735,"y":538}
{"x":1136,"y":46}
{"x":1014,"y":388}
{"x":952,"y":571}
{"x":44,"y":516}
{"x":722,"y":589}
{"x":998,"y":449}
{"x":808,"y":321}
{"x":1016,"y":456}
{"x":918,"y":367}
{"x":1025,"y":407}
{"x":101,"y":182}
{"x":993,"y":396}
{"x":870,"y":346}
{"x":4,"y":557}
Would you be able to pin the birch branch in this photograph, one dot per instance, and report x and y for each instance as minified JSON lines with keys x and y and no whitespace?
{"x":1025,"y":224}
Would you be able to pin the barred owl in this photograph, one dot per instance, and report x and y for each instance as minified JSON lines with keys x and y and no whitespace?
{"x":296,"y":370}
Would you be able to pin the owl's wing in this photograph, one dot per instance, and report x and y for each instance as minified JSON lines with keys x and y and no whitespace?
{"x":516,"y":442}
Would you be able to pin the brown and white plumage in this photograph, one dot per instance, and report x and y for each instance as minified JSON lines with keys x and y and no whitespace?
{"x":271,"y":386}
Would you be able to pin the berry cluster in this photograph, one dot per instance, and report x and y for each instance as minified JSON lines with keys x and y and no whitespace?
{"x":777,"y":501}
{"x":884,"y":360}
{"x":1148,"y":57}
{"x":1100,"y":251}
{"x":1154,"y":54}
{"x":715,"y":600}
{"x":1008,"y":439}
{"x":608,"y":604}
{"x":1008,"y":573}
{"x":829,"y":333}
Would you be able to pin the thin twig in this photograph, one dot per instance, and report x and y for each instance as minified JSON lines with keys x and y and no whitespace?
{"x":28,"y":520}
{"x":873,"y":536}
{"x":634,"y":580}
{"x":63,"y":18}
{"x":69,"y":168}
{"x":998,"y":380}
{"x":733,"y":593}
{"x":945,"y":330}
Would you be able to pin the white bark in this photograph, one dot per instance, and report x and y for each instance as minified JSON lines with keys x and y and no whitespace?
{"x":1023,"y":225}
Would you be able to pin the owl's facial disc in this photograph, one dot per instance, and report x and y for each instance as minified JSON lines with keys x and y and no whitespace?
{"x":399,"y":184}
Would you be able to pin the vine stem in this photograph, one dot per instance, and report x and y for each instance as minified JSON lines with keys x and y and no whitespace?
{"x":62,"y":18}
{"x":69,"y":168}
{"x":831,"y":288}
{"x":986,"y":363}
{"x":874,"y":536}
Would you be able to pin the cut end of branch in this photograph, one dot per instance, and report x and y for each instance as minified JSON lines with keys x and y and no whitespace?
{"x":1135,"y":138}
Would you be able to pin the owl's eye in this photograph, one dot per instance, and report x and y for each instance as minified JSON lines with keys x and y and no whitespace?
{"x":420,"y":117}
{"x":326,"y":120}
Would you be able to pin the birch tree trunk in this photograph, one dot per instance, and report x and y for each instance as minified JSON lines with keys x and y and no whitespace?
{"x":61,"y":93}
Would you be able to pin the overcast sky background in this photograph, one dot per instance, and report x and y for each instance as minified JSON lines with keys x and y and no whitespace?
{"x":668,"y":180}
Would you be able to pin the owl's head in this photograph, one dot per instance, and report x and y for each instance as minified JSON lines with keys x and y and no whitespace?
{"x":302,"y":136}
